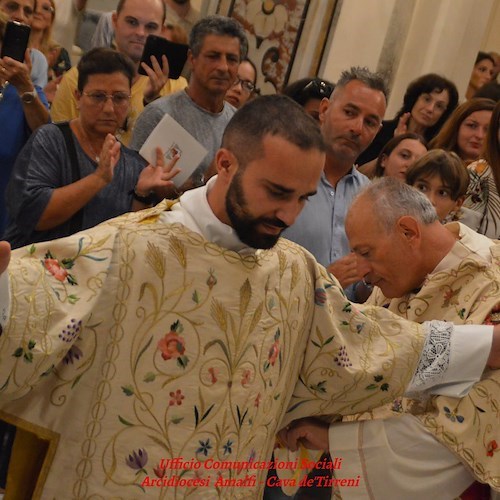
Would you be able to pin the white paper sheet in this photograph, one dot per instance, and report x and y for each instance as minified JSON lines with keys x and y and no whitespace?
{"x":172,"y":139}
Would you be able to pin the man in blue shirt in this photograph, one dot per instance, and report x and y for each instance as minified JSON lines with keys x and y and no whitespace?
{"x":350,"y":119}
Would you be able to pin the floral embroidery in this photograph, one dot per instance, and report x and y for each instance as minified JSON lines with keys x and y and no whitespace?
{"x":177,"y":398}
{"x":137,"y":460}
{"x":75,"y":353}
{"x":213,"y":374}
{"x":71,"y":331}
{"x":257,"y":400}
{"x":205,"y":446}
{"x":452,"y":415}
{"x":320,"y":297}
{"x":228,"y":447}
{"x":211,"y":280}
{"x":25,"y":353}
{"x":246,"y":378}
{"x":491,"y":448}
{"x":342,"y":359}
{"x":173,"y":346}
{"x":273,"y":351}
{"x":377,"y":379}
{"x":59,"y":269}
{"x":159,"y":471}
{"x":451,"y":297}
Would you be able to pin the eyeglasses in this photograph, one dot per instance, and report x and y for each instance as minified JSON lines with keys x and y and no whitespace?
{"x":246,"y":85}
{"x":318,"y":87}
{"x":12,"y":7}
{"x":100,"y":98}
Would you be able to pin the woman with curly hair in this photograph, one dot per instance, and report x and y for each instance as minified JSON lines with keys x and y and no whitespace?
{"x":428,"y":102}
{"x":484,"y":188}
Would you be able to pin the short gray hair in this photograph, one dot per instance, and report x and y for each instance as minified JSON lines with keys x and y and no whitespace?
{"x":217,"y":25}
{"x":392,"y":199}
{"x":373,"y":80}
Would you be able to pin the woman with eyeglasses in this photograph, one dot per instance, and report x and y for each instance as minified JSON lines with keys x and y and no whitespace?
{"x":74,"y":175}
{"x":244,"y":88}
{"x":41,"y":39}
{"x":428,"y":102}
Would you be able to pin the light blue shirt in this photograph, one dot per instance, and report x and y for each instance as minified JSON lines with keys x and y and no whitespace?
{"x":320,"y":226}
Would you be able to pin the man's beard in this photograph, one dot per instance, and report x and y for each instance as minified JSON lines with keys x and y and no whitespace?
{"x":245,"y":225}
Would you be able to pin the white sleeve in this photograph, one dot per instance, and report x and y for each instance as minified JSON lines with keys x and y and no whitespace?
{"x":453,"y":358}
{"x":4,"y":299}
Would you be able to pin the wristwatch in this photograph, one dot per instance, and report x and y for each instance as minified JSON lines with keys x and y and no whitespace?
{"x":29,"y":97}
{"x":147,"y":200}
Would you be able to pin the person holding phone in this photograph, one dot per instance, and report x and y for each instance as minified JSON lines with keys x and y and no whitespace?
{"x":23,"y":106}
{"x":133,"y":21}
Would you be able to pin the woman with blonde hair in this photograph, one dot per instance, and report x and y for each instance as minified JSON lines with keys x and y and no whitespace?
{"x":41,"y":39}
{"x":465,"y":130}
{"x":484,"y":188}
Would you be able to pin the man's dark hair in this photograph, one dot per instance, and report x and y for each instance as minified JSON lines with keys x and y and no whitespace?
{"x":372,"y":80}
{"x":121,"y":5}
{"x":427,"y":84}
{"x":274,"y":115}
{"x":305,"y":89}
{"x":103,"y":60}
{"x":217,"y":25}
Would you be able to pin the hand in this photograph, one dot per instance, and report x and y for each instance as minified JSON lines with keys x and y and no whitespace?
{"x":158,"y":177}
{"x":108,"y":158}
{"x":308,"y":432}
{"x":18,"y":73}
{"x":51,"y":88}
{"x":346,"y":270}
{"x":158,"y":77}
{"x":402,"y":127}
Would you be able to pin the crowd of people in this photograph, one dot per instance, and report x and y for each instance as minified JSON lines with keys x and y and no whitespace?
{"x":321,"y":263}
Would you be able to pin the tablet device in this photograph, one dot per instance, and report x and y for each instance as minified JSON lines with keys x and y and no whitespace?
{"x":176,"y":54}
{"x":15,"y":40}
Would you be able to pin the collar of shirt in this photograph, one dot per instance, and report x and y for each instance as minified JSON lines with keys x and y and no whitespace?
{"x":204,"y":221}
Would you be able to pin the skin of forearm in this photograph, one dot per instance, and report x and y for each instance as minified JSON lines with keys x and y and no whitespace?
{"x":36,"y":114}
{"x":67,"y":200}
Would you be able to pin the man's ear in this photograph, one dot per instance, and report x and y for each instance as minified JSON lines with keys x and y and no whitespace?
{"x":409,"y":229}
{"x":114,"y":17}
{"x":190,"y":58}
{"x":225,"y":164}
{"x":323,"y":107}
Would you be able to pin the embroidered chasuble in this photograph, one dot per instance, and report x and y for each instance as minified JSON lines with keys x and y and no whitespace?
{"x":138,"y":353}
{"x":464,"y":288}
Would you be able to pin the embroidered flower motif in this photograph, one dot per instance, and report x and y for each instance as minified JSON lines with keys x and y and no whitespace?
{"x":246,"y":378}
{"x":342,"y":359}
{"x":177,"y":398}
{"x":257,"y":400}
{"x":452,"y":415}
{"x":137,"y":460}
{"x":173,"y":346}
{"x":213,"y":374}
{"x":320,"y":297}
{"x":451,"y":297}
{"x":228,"y":447}
{"x":204,"y":447}
{"x":273,"y":353}
{"x":71,"y":331}
{"x":159,"y":471}
{"x":75,"y":353}
{"x":491,"y":448}
{"x":252,"y":455}
{"x":54,"y":268}
{"x":211,"y":280}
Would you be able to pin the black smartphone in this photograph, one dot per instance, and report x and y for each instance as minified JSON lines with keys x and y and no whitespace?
{"x":158,"y":46}
{"x":15,"y":40}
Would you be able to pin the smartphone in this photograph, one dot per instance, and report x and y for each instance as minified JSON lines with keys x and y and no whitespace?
{"x":158,"y":46}
{"x":15,"y":40}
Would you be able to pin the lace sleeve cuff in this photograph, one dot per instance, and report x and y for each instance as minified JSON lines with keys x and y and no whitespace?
{"x":453,"y":358}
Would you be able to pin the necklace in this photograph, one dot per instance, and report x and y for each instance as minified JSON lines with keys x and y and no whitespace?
{"x":88,"y":144}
